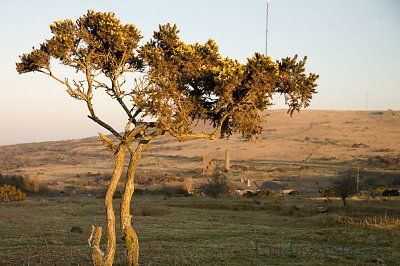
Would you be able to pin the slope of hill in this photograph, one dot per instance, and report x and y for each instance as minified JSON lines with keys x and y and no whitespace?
{"x":327,"y":138}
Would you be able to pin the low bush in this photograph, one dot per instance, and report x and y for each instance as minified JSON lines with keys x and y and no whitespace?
{"x":171,"y":191}
{"x":23,"y":183}
{"x":344,"y":186}
{"x":327,"y":192}
{"x":217,"y":185}
{"x":11,"y":193}
{"x":391,"y":192}
{"x":294,"y":193}
{"x":260,"y":194}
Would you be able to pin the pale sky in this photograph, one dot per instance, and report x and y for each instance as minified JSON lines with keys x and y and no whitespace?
{"x":354,"y":45}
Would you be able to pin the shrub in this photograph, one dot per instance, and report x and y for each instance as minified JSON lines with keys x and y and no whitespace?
{"x":172,"y":191}
{"x":11,"y":193}
{"x":260,"y":194}
{"x":24,"y":183}
{"x":379,"y":188}
{"x":344,"y":186}
{"x":327,"y":192}
{"x":294,"y":193}
{"x":391,"y":192}
{"x":217,"y":185}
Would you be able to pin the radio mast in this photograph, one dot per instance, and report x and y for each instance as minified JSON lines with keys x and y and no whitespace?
{"x":266,"y":31}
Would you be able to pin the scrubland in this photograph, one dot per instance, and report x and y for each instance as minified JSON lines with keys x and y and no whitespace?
{"x":67,"y":180}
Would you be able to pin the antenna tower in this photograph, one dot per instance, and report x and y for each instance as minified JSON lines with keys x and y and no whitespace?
{"x":266,"y":31}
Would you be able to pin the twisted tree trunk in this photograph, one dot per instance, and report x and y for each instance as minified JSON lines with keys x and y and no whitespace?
{"x":128,"y":233}
{"x":94,"y":241}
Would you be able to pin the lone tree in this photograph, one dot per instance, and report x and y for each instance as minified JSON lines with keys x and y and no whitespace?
{"x":173,"y":87}
{"x":344,"y":186}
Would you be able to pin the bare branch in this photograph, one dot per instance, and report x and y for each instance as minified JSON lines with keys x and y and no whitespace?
{"x":138,"y":111}
{"x":211,"y":136}
{"x":133,"y":133}
{"x":89,"y":104}
{"x":99,"y":84}
{"x":109,"y":144}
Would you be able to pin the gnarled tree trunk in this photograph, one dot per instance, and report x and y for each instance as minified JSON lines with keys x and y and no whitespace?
{"x":128,"y":233}
{"x":94,"y":241}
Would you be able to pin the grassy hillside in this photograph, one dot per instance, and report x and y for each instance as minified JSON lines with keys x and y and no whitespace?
{"x":302,"y":151}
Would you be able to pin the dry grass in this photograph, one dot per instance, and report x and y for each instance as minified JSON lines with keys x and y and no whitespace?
{"x":376,"y":222}
{"x":198,"y":230}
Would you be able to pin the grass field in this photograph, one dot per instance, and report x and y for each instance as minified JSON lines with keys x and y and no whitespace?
{"x":303,"y":153}
{"x":205,"y":231}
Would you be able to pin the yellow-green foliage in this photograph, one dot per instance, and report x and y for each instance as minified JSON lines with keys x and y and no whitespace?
{"x":11,"y":193}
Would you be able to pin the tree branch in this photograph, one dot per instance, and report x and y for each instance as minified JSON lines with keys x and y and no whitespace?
{"x":92,"y":115}
{"x":210,"y":136}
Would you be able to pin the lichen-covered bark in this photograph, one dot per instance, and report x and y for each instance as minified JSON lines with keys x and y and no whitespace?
{"x":128,"y":233}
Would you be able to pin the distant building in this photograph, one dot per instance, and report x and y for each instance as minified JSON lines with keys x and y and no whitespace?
{"x":242,"y":186}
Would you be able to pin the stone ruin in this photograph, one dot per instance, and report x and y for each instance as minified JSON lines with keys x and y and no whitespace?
{"x":210,"y":165}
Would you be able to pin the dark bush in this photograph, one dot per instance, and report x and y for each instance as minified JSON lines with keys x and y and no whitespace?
{"x":23,"y":183}
{"x":217,"y":185}
{"x":294,"y":193}
{"x":260,"y":194}
{"x":391,"y":192}
{"x":172,"y":191}
{"x":344,"y":186}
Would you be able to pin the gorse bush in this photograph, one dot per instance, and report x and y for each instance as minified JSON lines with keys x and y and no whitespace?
{"x":11,"y":193}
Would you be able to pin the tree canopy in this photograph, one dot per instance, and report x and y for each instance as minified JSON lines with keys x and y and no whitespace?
{"x":178,"y":84}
